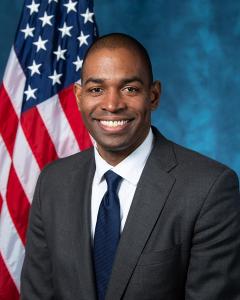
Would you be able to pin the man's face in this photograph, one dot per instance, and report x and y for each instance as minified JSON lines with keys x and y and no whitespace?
{"x":116,"y":100}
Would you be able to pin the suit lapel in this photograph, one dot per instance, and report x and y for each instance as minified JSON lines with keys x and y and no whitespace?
{"x":153,"y":188}
{"x":81,"y":225}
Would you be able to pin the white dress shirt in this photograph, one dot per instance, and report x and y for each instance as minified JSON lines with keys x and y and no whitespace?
{"x":130,"y":169}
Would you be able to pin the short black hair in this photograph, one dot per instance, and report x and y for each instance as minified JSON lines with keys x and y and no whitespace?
{"x":121,"y":40}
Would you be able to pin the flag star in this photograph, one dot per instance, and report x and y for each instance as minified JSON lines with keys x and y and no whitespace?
{"x":40,"y":44}
{"x":34,"y":68}
{"x":83,"y":39}
{"x":88,"y":16}
{"x":70,"y":6}
{"x":78,"y":63}
{"x":49,"y":1}
{"x":55,"y":77}
{"x":46,"y":19}
{"x":60,"y":53}
{"x":33,"y":7}
{"x":30,"y":93}
{"x":65,"y":30}
{"x":28,"y":31}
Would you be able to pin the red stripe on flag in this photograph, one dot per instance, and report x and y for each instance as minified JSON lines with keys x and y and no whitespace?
{"x":38,"y":137}
{"x":18,"y":204}
{"x":8,"y":290}
{"x":69,"y":105}
{"x":8,"y":120}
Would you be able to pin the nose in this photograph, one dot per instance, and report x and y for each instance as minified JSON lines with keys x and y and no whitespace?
{"x":113,"y":102}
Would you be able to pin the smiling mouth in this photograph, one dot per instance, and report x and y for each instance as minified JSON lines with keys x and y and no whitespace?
{"x":112,"y":124}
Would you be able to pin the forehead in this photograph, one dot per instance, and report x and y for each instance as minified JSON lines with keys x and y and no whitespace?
{"x":114,"y":63}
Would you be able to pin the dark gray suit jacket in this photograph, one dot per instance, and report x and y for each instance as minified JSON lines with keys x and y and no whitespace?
{"x":181,"y":239}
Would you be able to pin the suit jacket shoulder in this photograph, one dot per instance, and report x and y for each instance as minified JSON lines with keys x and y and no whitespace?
{"x":70,"y":163}
{"x":59,"y":179}
{"x":185,"y":161}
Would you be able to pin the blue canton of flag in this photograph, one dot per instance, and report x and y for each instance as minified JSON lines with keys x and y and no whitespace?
{"x":51,"y":40}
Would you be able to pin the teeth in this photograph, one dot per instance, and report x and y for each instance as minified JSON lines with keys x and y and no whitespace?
{"x":113,"y":123}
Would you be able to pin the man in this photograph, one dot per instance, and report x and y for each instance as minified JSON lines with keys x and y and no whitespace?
{"x":169,"y":225}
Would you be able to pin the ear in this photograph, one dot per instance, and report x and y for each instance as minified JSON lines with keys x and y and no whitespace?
{"x":77,"y":91}
{"x":155,"y":94}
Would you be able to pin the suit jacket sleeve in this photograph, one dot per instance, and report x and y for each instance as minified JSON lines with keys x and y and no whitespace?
{"x":36,"y":277}
{"x":214,"y":269}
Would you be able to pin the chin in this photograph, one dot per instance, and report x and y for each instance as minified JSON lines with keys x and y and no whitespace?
{"x":123,"y":147}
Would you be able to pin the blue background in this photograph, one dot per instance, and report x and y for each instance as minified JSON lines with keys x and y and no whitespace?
{"x":195,"y":49}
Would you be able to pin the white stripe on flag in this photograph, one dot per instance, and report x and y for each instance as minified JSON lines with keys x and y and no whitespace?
{"x":25,"y":164}
{"x":5,"y":164}
{"x":14,"y":82}
{"x":11,"y":247}
{"x":58,"y":127}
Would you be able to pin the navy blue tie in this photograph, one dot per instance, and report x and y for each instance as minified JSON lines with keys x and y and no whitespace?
{"x":107,"y":233}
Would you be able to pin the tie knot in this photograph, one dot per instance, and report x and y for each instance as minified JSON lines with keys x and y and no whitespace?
{"x":113,"y":180}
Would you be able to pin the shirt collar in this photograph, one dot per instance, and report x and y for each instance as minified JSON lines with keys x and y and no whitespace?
{"x":131,"y":167}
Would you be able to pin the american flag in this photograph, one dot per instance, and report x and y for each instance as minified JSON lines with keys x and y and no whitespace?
{"x":39,"y":119}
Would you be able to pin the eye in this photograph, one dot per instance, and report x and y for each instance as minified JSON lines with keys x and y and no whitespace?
{"x":96,"y":90}
{"x":131,"y":89}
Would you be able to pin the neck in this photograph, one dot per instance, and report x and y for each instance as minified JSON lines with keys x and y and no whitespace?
{"x":115,"y":156}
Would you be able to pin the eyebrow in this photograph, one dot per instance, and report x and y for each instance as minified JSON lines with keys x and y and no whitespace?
{"x":94,"y":80}
{"x":123,"y":82}
{"x":132,"y":79}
